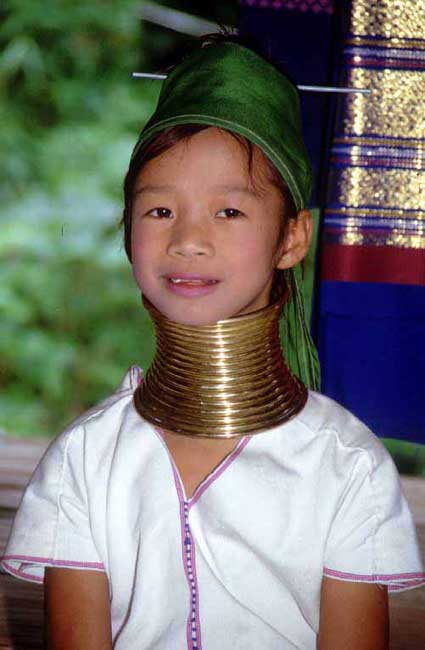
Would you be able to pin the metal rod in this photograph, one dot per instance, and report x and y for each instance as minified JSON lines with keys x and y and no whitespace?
{"x":179,"y":21}
{"x":335,"y":89}
{"x":319,"y":89}
{"x":149,"y":75}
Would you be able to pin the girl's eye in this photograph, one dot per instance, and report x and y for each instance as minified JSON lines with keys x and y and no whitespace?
{"x":162,"y":213}
{"x":231,"y":213}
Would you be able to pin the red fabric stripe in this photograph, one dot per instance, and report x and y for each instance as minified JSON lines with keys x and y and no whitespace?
{"x":373,"y":264}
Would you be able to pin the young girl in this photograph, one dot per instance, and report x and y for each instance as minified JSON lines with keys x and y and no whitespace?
{"x":218,"y":503}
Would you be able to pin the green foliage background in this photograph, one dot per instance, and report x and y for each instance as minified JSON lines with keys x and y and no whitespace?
{"x":70,"y":315}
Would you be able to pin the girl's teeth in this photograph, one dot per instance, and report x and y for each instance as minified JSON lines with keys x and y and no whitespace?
{"x":179,"y":280}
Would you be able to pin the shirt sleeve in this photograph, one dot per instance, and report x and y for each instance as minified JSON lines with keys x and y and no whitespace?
{"x":372,"y":537}
{"x":52,"y":524}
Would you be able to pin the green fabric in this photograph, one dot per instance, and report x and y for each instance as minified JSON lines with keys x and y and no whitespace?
{"x":300,"y":351}
{"x":309,"y":267}
{"x":229,"y":86}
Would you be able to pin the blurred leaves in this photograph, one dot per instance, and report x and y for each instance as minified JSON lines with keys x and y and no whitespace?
{"x":70,"y":314}
{"x":67,"y":66}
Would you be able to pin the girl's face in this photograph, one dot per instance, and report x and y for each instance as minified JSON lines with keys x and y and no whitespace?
{"x":204,"y":242}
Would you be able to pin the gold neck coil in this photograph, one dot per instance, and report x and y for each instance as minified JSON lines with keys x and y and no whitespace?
{"x":222,"y":380}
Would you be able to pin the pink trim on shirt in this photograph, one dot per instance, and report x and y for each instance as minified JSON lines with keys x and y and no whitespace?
{"x":215,"y":474}
{"x":182,"y":503}
{"x":195,"y":576}
{"x":406,"y":579}
{"x":20,"y":574}
{"x":218,"y":471}
{"x":188,"y":503}
{"x":407,"y":585}
{"x":47,"y":560}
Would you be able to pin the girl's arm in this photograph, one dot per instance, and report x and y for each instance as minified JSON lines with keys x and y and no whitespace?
{"x":353,"y":616}
{"x":77,"y":611}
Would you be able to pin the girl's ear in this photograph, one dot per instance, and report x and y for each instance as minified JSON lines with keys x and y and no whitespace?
{"x":297,"y":241}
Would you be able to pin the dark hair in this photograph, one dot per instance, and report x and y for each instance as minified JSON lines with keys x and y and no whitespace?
{"x":166,"y":139}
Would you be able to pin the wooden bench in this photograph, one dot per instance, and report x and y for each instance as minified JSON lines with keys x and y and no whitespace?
{"x":21,"y":603}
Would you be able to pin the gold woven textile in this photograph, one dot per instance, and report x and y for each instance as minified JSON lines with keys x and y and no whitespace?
{"x":220,"y":381}
{"x":377,"y":179}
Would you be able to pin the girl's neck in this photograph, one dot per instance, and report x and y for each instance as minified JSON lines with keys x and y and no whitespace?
{"x":220,"y":381}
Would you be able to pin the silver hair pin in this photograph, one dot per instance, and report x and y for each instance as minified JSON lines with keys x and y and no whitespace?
{"x":318,"y":89}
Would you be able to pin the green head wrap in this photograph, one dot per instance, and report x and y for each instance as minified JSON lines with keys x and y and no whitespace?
{"x":229,"y":86}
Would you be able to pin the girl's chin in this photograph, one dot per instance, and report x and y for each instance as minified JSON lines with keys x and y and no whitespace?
{"x":194,"y":316}
{"x":200,"y":311}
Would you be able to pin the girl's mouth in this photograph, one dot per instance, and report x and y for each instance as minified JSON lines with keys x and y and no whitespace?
{"x":191,"y":286}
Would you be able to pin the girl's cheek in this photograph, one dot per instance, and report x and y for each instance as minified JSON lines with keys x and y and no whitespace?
{"x":140,"y":234}
{"x":250,"y":246}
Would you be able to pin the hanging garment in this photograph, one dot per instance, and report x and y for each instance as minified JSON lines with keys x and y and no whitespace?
{"x":372,"y":297}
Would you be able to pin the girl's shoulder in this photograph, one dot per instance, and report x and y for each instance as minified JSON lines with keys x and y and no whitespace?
{"x":324,"y":418}
{"x":102,"y":422}
{"x":65,"y":496}
{"x":113,"y":401}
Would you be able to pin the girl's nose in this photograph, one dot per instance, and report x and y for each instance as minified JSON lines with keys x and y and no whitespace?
{"x":189,"y":239}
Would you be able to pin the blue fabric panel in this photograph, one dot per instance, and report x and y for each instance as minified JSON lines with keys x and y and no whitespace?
{"x":371,"y":345}
{"x":303,"y":43}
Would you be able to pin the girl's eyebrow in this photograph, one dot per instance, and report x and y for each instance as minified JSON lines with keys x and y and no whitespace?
{"x":228,"y":189}
{"x":225,"y":188}
{"x":154,"y":188}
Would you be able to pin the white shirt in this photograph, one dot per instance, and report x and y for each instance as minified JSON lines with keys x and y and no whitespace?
{"x":239,"y":565}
